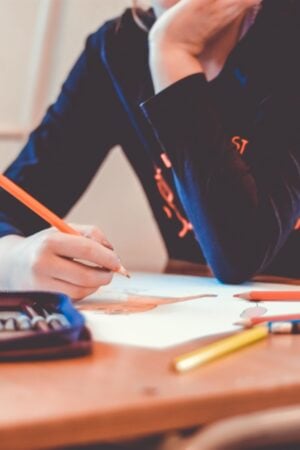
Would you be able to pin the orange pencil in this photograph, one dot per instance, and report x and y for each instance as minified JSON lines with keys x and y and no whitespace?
{"x":273,"y":296}
{"x":41,"y":210}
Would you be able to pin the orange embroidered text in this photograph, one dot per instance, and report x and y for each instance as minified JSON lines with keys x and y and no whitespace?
{"x":170,"y":209}
{"x":240,"y":144}
{"x":165,"y":159}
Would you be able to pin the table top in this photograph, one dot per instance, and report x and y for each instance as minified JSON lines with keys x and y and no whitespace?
{"x":123,"y":391}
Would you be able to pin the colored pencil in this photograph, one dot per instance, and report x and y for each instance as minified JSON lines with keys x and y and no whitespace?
{"x":37,"y":320}
{"x":216,"y":350}
{"x":42,"y":211}
{"x":251,"y":321}
{"x":53,"y":324}
{"x":273,"y":296}
{"x":292,"y":327}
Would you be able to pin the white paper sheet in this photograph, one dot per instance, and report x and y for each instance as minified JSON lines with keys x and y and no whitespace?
{"x":173,"y":324}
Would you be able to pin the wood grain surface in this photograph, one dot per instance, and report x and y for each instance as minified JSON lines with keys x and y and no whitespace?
{"x":123,"y":392}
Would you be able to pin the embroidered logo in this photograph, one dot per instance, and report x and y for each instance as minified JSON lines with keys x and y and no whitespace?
{"x":170,"y":209}
{"x":240,"y":144}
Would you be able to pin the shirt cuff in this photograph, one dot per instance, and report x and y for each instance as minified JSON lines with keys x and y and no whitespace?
{"x":176,"y":113}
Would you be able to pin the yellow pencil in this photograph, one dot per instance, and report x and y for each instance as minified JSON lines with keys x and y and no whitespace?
{"x":216,"y":350}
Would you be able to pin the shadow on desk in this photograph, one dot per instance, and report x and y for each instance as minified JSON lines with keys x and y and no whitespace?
{"x":187,"y":268}
{"x":275,"y":429}
{"x":157,"y":442}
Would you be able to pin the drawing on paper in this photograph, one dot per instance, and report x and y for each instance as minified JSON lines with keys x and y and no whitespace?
{"x":134,"y":303}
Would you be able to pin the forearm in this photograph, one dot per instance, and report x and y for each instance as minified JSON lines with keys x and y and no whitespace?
{"x":240,"y":224}
{"x":233,"y":210}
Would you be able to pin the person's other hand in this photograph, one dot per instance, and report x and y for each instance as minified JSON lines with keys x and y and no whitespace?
{"x":190,"y":24}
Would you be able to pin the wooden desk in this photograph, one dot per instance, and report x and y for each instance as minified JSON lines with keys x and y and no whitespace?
{"x":121,"y":392}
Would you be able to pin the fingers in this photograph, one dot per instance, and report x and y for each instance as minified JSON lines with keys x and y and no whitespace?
{"x":72,"y":290}
{"x":93,"y":233}
{"x":44,"y":261}
{"x":78,"y":274}
{"x":243,"y":4}
{"x":232,"y":10}
{"x":77,"y":247}
{"x":250,"y":3}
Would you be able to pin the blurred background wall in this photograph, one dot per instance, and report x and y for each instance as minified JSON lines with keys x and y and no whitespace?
{"x":51,"y":33}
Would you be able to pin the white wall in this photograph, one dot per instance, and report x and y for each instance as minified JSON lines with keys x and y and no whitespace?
{"x":115,"y":201}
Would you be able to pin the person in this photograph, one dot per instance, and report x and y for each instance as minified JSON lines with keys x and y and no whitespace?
{"x":203,"y":96}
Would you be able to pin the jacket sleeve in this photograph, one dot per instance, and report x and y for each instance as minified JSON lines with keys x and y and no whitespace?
{"x":66,"y":149}
{"x":241,"y":215}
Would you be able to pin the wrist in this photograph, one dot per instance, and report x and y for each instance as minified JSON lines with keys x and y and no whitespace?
{"x":169,"y":64}
{"x":164,"y":36}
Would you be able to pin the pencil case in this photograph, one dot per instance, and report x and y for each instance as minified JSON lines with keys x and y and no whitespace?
{"x":41,"y":325}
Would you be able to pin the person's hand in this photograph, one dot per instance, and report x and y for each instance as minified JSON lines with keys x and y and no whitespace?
{"x":190,"y":24}
{"x":179,"y":40}
{"x":54,"y":261}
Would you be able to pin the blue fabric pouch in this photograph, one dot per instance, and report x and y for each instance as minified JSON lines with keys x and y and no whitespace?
{"x":41,"y":325}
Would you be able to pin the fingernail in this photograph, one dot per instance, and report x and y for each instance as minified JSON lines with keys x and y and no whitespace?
{"x":107,"y":244}
{"x":116,"y":269}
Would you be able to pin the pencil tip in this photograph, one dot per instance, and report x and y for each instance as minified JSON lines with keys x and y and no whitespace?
{"x":243,"y":323}
{"x":124,"y":272}
{"x":242,"y":295}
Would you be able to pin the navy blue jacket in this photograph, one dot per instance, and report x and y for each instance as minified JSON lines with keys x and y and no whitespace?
{"x":219,"y":161}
